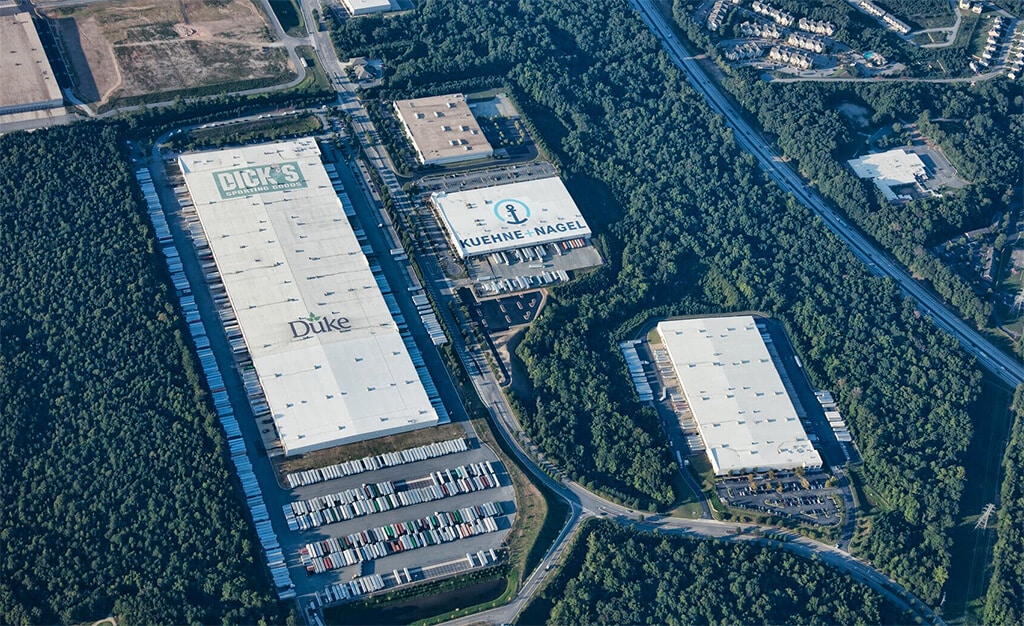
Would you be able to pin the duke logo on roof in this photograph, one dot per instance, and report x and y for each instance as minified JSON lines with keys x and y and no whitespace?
{"x":317,"y":324}
{"x":246,"y":181}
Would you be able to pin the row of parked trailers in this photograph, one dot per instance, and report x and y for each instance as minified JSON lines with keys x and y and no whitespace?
{"x":225,"y":413}
{"x":414,"y":352}
{"x":636,"y":369}
{"x":370,"y":499}
{"x":376,"y":543}
{"x":429,"y":319}
{"x":376,"y":462}
{"x":339,"y":189}
{"x":359,"y":587}
{"x":350,"y":590}
{"x":523,"y":283}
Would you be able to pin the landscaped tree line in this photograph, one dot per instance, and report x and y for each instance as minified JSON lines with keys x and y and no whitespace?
{"x":689,"y":225}
{"x":117,"y":496}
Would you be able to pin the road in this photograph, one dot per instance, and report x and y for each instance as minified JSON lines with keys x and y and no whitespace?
{"x":951,"y":31}
{"x":1006,"y":368}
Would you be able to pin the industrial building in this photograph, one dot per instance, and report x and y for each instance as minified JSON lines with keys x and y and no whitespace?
{"x":366,"y":7}
{"x":742,"y":409}
{"x":505,"y":217}
{"x":517,"y":235}
{"x":890,"y":169}
{"x":25,"y":73}
{"x":443,"y":129}
{"x":332,"y":363}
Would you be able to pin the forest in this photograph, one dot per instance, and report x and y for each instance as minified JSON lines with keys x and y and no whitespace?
{"x":688,"y":224}
{"x":1004,"y":603}
{"x":117,"y":497}
{"x":614,"y":575}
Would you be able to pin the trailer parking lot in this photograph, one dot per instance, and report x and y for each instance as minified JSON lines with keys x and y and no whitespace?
{"x":403,"y":478}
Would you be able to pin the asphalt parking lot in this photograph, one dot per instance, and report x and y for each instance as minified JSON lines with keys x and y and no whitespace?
{"x":813,"y":503}
{"x":294,"y":541}
{"x":492,"y":176}
{"x":503,"y":313}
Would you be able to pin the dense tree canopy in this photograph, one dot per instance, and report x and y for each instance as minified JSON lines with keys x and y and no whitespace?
{"x":689,"y":225}
{"x":614,"y":575}
{"x":116,"y":493}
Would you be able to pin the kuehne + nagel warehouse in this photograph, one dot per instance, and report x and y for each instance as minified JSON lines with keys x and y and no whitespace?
{"x":328,"y":354}
{"x":742,"y":409}
{"x":506,"y":217}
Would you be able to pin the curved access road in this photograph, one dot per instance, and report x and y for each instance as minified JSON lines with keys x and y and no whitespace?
{"x":951,"y":31}
{"x":1006,"y":368}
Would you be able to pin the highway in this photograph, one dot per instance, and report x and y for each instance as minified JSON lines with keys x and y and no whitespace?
{"x":1005,"y":367}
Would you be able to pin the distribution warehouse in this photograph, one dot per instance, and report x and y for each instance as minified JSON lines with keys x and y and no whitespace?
{"x":443,"y":129}
{"x":25,"y":73}
{"x":331,"y":361}
{"x":742,"y":409}
{"x":505,"y":217}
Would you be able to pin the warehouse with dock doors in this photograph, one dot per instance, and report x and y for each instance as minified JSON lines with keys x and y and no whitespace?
{"x":25,"y":73}
{"x":443,"y":129}
{"x":334,"y":366}
{"x":516,"y":236}
{"x":743,"y":411}
{"x":505,"y":217}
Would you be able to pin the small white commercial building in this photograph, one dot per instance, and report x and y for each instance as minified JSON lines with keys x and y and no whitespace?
{"x":891,"y":169}
{"x":505,"y":217}
{"x":736,"y":396}
{"x":329,"y":356}
{"x":443,"y":129}
{"x":366,"y":7}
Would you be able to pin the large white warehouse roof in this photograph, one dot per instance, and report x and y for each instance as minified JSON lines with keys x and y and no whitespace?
{"x":328,"y":354}
{"x":492,"y":219}
{"x":737,"y":398}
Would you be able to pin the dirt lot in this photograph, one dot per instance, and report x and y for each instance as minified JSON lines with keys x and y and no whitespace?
{"x":137,"y":47}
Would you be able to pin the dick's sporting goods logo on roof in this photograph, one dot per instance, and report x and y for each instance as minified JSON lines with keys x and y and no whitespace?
{"x":316,"y":324}
{"x":246,"y":181}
